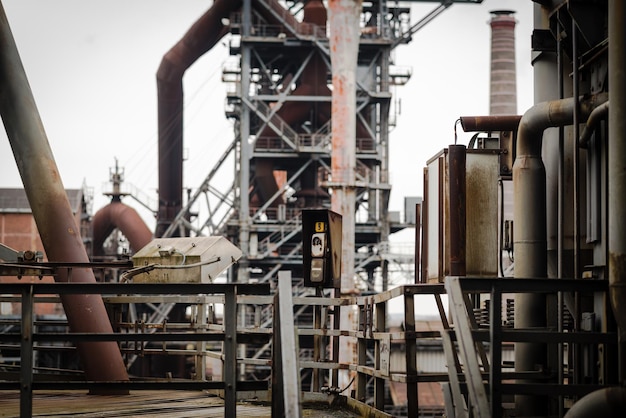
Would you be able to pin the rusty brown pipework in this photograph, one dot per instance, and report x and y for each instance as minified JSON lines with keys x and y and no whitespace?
{"x":199,"y":39}
{"x":490,"y":123}
{"x":529,"y":183}
{"x":51,"y":209}
{"x":456,"y":164}
{"x":597,"y":115}
{"x":126,"y":219}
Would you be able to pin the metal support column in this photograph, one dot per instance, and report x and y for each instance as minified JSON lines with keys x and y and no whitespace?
{"x":286,"y":376}
{"x":230,"y":352}
{"x":495,"y":352}
{"x":410,"y":345}
{"x":379,"y":382}
{"x":26,"y":353}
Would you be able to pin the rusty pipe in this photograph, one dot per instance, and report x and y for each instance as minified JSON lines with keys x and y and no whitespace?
{"x":529,"y":188}
{"x":51,"y":209}
{"x":598,"y":114}
{"x":617,"y":174}
{"x":344,"y":47}
{"x":199,"y":39}
{"x":126,"y":219}
{"x":490,"y":123}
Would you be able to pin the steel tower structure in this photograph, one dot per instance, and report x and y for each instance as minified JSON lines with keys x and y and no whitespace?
{"x":279,"y":99}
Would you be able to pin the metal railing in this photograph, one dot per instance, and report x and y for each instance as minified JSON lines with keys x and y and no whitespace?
{"x":486,"y":382}
{"x":28,"y":338}
{"x":475,"y":382}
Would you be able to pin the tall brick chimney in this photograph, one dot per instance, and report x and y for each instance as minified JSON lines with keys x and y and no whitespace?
{"x":503,"y":88}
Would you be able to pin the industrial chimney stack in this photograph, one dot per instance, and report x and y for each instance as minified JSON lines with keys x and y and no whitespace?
{"x":503,"y":89}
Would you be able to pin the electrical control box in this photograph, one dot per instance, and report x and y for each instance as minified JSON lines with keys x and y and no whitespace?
{"x":321,"y":248}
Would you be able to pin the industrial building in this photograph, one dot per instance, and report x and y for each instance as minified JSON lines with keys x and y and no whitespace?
{"x":273,"y":291}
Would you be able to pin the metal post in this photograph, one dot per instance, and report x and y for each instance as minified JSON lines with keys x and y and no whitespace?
{"x":288,"y":343}
{"x":458,"y":224}
{"x":335,"y":339}
{"x":230,"y":352}
{"x":495,"y":351}
{"x":418,"y":232}
{"x":425,"y":215}
{"x":410,"y":345}
{"x":26,"y":354}
{"x":379,"y":382}
{"x":201,"y":322}
{"x":244,"y":152}
{"x":318,"y":342}
{"x":364,"y":323}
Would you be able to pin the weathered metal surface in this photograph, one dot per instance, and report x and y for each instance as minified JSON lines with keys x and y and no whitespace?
{"x":616,"y":170}
{"x":286,"y":388}
{"x":344,"y":46}
{"x":529,"y":181}
{"x":206,"y":258}
{"x":481,"y":251}
{"x":51,"y":209}
{"x":458,"y":221}
{"x":199,"y":39}
{"x":446,"y":215}
{"x":126,"y":219}
{"x":433,"y":234}
{"x":490,"y":123}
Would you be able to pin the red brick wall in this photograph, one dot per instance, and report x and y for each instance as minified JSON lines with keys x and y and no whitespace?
{"x":19,"y":231}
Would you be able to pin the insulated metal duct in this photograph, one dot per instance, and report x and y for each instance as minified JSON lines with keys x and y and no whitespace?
{"x":529,"y":188}
{"x":51,"y":209}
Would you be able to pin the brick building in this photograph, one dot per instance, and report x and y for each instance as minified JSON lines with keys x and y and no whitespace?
{"x":18,"y":231}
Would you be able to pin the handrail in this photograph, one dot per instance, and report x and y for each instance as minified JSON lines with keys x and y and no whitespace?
{"x":28,"y":335}
{"x":466,"y":383}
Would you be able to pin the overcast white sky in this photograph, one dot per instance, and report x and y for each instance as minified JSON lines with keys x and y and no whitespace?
{"x":92,"y":65}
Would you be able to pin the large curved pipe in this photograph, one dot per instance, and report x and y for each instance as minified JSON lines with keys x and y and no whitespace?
{"x":598,"y":114}
{"x":605,"y":403}
{"x":199,"y":39}
{"x":126,"y":219}
{"x":51,"y":209}
{"x":529,"y":188}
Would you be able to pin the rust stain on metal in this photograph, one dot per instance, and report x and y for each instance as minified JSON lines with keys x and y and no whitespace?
{"x":617,"y":286}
